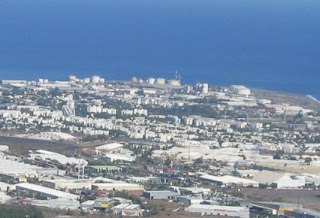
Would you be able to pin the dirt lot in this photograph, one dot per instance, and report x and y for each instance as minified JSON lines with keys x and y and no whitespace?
{"x":20,"y":146}
{"x":309,"y":199}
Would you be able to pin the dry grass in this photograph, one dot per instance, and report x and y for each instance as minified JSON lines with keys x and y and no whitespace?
{"x":292,"y":99}
{"x":19,"y":146}
{"x":309,"y":199}
{"x":296,"y":169}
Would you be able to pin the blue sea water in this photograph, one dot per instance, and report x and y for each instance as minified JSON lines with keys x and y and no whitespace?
{"x":268,"y":44}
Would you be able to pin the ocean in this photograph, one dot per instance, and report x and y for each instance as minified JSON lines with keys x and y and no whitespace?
{"x":267,"y":44}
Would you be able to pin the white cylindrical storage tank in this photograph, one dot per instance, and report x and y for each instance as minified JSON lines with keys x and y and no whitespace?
{"x":161,"y":81}
{"x":72,"y":78}
{"x":151,"y":80}
{"x":101,"y":80}
{"x":205,"y":88}
{"x":40,"y":80}
{"x":95,"y":79}
{"x":140,"y":80}
{"x":244,"y":92}
{"x":86,"y":80}
{"x":174,"y":82}
{"x":134,"y":79}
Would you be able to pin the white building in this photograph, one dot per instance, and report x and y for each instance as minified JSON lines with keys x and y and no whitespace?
{"x":128,"y":210}
{"x":229,"y":180}
{"x":54,"y":136}
{"x":109,"y":147}
{"x":44,"y":191}
{"x":68,"y":183}
{"x":241,"y":90}
{"x":205,"y":88}
{"x":290,"y":181}
{"x":161,"y":81}
{"x":60,"y":204}
{"x":4,"y":198}
{"x":56,"y":157}
{"x":214,"y":210}
{"x":121,"y":156}
{"x":280,"y":180}
{"x":118,"y":186}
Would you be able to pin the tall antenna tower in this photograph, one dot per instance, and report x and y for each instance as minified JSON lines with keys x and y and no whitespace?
{"x":178,"y":76}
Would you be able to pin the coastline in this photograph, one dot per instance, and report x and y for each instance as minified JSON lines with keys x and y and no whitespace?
{"x":278,"y":95}
{"x":313,"y":98}
{"x":290,"y":98}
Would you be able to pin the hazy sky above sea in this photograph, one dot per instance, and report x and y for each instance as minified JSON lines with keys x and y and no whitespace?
{"x":206,"y":40}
